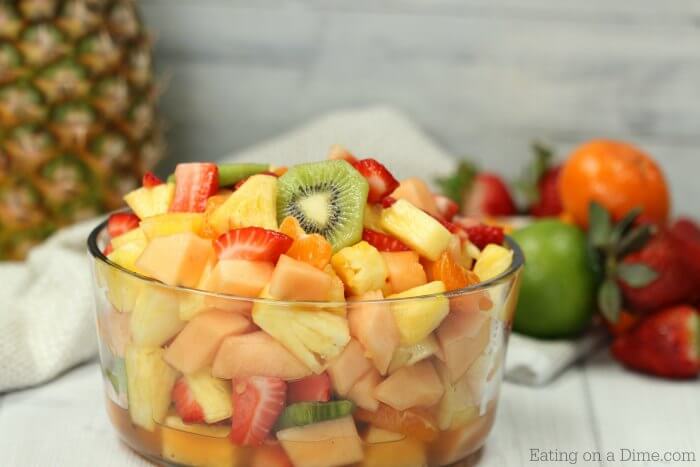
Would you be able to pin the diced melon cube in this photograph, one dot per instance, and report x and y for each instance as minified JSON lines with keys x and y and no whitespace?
{"x":256,"y":354}
{"x":416,"y":229}
{"x":196,"y":346}
{"x":348,"y":367}
{"x":416,"y":191}
{"x":453,"y":445}
{"x":417,"y":318}
{"x":493,"y":261}
{"x":458,"y":405}
{"x":297,"y":280}
{"x":176,"y":259}
{"x":362,"y":392}
{"x":239,"y":277}
{"x":326,"y":444}
{"x":412,"y":386}
{"x":463,"y":336}
{"x":361,"y":267}
{"x":155,"y":318}
{"x":374,"y":326}
{"x":405,"y":270}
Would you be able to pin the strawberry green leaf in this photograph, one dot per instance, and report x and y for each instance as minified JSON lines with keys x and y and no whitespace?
{"x":636,"y":275}
{"x":527,"y":183}
{"x":455,"y":185}
{"x":634,"y":240}
{"x":610,"y":300}
{"x":622,"y":227}
{"x":600,"y":225}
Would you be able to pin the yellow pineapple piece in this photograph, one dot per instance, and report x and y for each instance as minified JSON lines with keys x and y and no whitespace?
{"x":148,"y":202}
{"x":133,"y":235}
{"x":314,"y":337}
{"x":172,"y":223}
{"x":212,"y":394}
{"x":149,"y":383}
{"x":416,"y":229}
{"x":417,"y":318}
{"x":253,"y":204}
{"x":155,"y":317}
{"x":410,"y":354}
{"x":122,"y":287}
{"x":493,"y":261}
{"x":372,"y":217}
{"x":457,"y":406}
{"x":173,"y":420}
{"x":361,"y":267}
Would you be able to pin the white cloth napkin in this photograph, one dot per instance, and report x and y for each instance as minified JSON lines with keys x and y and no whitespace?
{"x":46,"y":303}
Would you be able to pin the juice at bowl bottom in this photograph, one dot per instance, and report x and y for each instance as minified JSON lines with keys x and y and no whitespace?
{"x":349,"y":390}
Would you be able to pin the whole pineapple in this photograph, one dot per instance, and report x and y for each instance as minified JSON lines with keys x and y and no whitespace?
{"x":77,"y":113}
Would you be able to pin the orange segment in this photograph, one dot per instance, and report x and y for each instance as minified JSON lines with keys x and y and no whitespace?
{"x":416,"y":423}
{"x":312,"y":249}
{"x":291,"y":228}
{"x":454,"y":275}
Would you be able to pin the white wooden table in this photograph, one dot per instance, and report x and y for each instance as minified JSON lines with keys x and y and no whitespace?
{"x":595,"y":407}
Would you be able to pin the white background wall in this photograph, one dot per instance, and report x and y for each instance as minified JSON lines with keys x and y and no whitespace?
{"x":483,"y":77}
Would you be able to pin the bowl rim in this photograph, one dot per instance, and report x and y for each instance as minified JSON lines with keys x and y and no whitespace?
{"x":515,"y":266}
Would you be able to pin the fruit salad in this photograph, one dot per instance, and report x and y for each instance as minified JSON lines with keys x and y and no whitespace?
{"x":324,"y":314}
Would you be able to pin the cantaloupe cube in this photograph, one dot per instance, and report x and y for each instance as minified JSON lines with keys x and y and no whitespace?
{"x":374,"y":326}
{"x":325,"y":444}
{"x":297,"y":280}
{"x":463,"y":335}
{"x":184,"y":447}
{"x":196,"y":346}
{"x":176,"y":259}
{"x":419,"y":317}
{"x":416,"y":191}
{"x":451,"y":446}
{"x":156,"y":316}
{"x":385,"y":448}
{"x":115,"y":330}
{"x":256,"y":354}
{"x":348,"y":367}
{"x":362,"y":392}
{"x":412,"y":386}
{"x":405,"y":270}
{"x":239,"y":277}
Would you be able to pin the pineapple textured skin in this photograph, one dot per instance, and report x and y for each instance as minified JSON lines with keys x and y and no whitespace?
{"x":77,"y":114}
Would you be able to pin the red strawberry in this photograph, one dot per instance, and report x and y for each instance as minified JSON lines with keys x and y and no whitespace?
{"x":240,"y":183}
{"x":673,"y":284}
{"x":387,"y":202}
{"x":548,"y":203}
{"x":150,"y":180}
{"x":383,"y":242}
{"x":314,"y":388}
{"x":257,"y":402}
{"x":446,"y":207}
{"x":482,"y":235}
{"x":121,"y":222}
{"x":195,"y":182}
{"x":687,"y":236}
{"x":489,"y":196}
{"x":186,"y":406}
{"x":252,"y":243}
{"x":381,"y":182}
{"x":108,"y":249}
{"x":665,"y":343}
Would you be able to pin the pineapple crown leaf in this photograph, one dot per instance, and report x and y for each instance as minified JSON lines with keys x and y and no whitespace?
{"x":527,"y":183}
{"x":454,"y":186}
{"x":610,"y":242}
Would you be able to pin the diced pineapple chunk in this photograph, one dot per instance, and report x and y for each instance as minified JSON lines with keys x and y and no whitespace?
{"x":416,"y":229}
{"x":147,"y":202}
{"x":127,"y":254}
{"x":408,"y":355}
{"x":361,"y":267}
{"x":149,"y":383}
{"x":253,"y":204}
{"x":134,"y":235}
{"x":155,"y":318}
{"x":372,"y":217}
{"x":457,"y":406}
{"x":312,"y":336}
{"x":122,"y":287}
{"x":172,"y":223}
{"x":419,"y":317}
{"x":493,"y":261}
{"x":212,"y":394}
{"x":212,"y":431}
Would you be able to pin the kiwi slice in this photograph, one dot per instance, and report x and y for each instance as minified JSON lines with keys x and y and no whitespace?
{"x":327,"y":198}
{"x":306,"y":413}
{"x":229,"y":174}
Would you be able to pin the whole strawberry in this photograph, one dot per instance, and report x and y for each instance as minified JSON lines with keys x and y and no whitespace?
{"x":687,"y":235}
{"x":665,"y":343}
{"x":539,"y":184}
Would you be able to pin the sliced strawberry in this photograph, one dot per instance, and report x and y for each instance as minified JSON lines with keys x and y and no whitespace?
{"x":387,"y":202}
{"x":186,"y":406}
{"x":257,"y":402}
{"x":239,"y":183}
{"x":489,"y":196}
{"x":381,"y":182}
{"x":482,"y":235}
{"x":447,"y":207}
{"x":383,"y":242}
{"x":121,"y":222}
{"x":150,"y":180}
{"x":108,"y":249}
{"x":252,"y":243}
{"x":194,"y":183}
{"x":663,"y":344}
{"x":315,"y":388}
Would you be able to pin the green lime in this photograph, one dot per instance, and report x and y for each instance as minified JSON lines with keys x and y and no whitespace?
{"x":557,"y":297}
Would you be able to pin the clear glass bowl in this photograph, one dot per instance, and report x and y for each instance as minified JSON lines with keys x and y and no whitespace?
{"x":438,"y":389}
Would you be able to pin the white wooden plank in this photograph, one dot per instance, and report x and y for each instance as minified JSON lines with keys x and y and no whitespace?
{"x":642,"y":413}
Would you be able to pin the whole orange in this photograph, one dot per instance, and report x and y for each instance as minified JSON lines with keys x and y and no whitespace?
{"x":617,"y":175}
